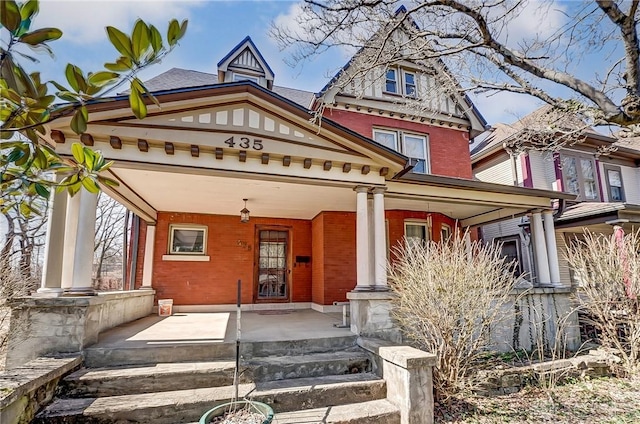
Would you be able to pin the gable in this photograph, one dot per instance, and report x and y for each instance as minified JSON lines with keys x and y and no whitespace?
{"x":245,"y":59}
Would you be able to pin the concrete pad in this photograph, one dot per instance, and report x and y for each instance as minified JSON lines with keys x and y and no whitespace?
{"x":220,"y":327}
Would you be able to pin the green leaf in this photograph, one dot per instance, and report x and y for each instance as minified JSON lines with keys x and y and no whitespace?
{"x":140,"y":39}
{"x":103,"y":78}
{"x":183,"y":29}
{"x":156,"y":39}
{"x":136,"y":101}
{"x":78,"y":152}
{"x":89,"y":158}
{"x":79,"y":121}
{"x":10,"y":15}
{"x":41,"y":35}
{"x":121,"y":65}
{"x":108,"y":181}
{"x":173,"y":32}
{"x":42,"y":190}
{"x":25,"y":209}
{"x":29,"y":9}
{"x":16,"y":154}
{"x":90,"y":185}
{"x":71,"y":75}
{"x":120,"y":41}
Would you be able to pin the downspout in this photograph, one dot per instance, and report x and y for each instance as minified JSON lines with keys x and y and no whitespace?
{"x":135,"y":240}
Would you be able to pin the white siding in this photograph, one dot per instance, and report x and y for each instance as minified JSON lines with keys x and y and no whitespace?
{"x":631,"y":183}
{"x":542,"y":170}
{"x":565,"y":276}
{"x":496,"y":171}
{"x":519,"y":172}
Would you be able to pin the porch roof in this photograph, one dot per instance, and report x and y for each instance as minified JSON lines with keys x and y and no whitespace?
{"x":598,"y":215}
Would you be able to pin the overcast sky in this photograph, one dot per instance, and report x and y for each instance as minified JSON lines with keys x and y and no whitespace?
{"x":215,"y":27}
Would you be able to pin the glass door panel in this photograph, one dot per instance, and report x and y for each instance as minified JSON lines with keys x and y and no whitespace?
{"x":272,"y":264}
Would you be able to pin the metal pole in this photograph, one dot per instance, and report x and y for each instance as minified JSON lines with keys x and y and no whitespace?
{"x":238,"y":334}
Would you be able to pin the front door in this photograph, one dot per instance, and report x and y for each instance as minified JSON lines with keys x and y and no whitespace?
{"x":273,"y":270}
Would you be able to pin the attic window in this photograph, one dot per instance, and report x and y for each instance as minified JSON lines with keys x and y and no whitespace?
{"x":391,"y":85}
{"x":244,"y":77}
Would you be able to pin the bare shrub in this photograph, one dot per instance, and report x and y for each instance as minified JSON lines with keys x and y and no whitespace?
{"x":448,"y":298}
{"x":608,"y":269}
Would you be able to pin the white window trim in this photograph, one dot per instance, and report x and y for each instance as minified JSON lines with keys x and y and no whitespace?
{"x":581,"y":180}
{"x":398,"y":88}
{"x":394,"y":133}
{"x":173,"y":227}
{"x":448,"y":228}
{"x":404,"y":83}
{"x":519,"y":252}
{"x":426,"y":223}
{"x":239,"y":76}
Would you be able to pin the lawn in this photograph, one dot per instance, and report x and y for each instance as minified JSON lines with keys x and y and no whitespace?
{"x":597,"y":401}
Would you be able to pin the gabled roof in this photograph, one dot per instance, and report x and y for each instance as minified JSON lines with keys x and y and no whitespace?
{"x":247,"y":42}
{"x":543,"y":118}
{"x":471,"y":107}
{"x":177,"y":78}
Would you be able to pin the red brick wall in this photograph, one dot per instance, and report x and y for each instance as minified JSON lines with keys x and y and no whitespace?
{"x":317,"y":259}
{"x":140,"y":258}
{"x":449,"y":148}
{"x":231,"y":247}
{"x":396,"y":220}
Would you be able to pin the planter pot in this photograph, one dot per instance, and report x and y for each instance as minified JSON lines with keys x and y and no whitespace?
{"x":258,"y":407}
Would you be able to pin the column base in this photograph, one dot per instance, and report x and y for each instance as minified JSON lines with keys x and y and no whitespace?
{"x":370,"y":289}
{"x":145,"y":288}
{"x":48,"y":292}
{"x":79,"y":291}
{"x":371,"y":315}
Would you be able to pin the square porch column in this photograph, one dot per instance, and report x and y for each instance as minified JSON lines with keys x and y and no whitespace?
{"x":79,"y":243}
{"x":147,"y":265}
{"x":540,"y":248}
{"x":51,"y":285}
{"x":552,"y":247}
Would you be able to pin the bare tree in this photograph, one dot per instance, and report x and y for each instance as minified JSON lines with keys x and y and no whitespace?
{"x":478,"y":41}
{"x":110,"y":217}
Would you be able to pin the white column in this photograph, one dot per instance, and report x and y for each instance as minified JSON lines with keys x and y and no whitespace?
{"x":467,"y":242}
{"x":380,"y":239}
{"x":70,"y":232}
{"x":363,"y":279}
{"x":147,"y":268}
{"x":83,"y":207}
{"x":540,"y":247}
{"x":552,"y":247}
{"x":51,"y":284}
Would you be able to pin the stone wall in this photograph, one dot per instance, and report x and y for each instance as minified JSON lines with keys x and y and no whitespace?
{"x":43,"y":326}
{"x":538,"y":317}
{"x":23,"y":390}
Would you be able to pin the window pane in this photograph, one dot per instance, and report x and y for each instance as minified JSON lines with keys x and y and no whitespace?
{"x":416,"y":231}
{"x":571,"y":173}
{"x":587,"y":169}
{"x":414,"y":147}
{"x":590,"y":190}
{"x":616,"y":194}
{"x":614,"y":178}
{"x":409,"y":84}
{"x":386,"y":138}
{"x":188,"y":241}
{"x":391,"y":82}
{"x":510,"y":252}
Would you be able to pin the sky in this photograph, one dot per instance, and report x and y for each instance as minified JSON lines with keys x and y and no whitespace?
{"x":215,"y":27}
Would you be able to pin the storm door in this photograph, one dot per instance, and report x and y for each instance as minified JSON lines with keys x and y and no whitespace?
{"x":273,"y":270}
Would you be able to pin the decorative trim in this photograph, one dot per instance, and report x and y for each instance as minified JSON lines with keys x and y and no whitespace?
{"x":597,"y":164}
{"x":527,"y":179}
{"x":557,"y":165}
{"x":186,"y":258}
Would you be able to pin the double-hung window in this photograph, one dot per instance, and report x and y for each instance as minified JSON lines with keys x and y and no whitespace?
{"x":580,"y":177}
{"x":613,"y":175}
{"x":400,"y":81}
{"x":417,"y":232}
{"x":414,"y":146}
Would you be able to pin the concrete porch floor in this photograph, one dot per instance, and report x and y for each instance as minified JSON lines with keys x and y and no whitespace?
{"x":220,"y":327}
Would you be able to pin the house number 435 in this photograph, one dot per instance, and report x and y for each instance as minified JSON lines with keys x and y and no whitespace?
{"x":245,"y":143}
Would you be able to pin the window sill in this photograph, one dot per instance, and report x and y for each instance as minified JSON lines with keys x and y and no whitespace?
{"x":186,"y":258}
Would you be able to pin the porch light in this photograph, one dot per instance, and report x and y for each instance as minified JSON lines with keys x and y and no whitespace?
{"x":244,"y":213}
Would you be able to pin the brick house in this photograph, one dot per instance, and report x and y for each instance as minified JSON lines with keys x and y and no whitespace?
{"x":324,"y":200}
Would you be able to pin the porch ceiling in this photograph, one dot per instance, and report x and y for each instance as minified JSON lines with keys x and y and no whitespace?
{"x":158,"y":190}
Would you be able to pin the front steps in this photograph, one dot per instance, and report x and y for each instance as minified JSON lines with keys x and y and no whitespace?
{"x":316,"y":381}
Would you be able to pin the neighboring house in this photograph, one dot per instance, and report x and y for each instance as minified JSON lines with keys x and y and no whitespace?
{"x":604,"y":179}
{"x":233,"y":179}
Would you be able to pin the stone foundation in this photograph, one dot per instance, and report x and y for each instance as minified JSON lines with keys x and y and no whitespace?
{"x":43,"y":326}
{"x":371,"y":315}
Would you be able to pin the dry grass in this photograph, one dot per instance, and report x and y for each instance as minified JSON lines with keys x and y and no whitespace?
{"x":599,"y":401}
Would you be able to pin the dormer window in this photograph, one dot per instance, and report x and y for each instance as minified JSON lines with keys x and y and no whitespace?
{"x":244,"y":77}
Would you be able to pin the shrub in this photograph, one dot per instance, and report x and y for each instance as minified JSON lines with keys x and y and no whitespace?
{"x":448,"y":297}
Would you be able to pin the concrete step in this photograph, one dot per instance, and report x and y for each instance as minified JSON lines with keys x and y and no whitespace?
{"x":100,"y":356}
{"x":100,"y":382}
{"x":375,"y":411}
{"x":188,"y":405}
{"x":350,"y":361}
